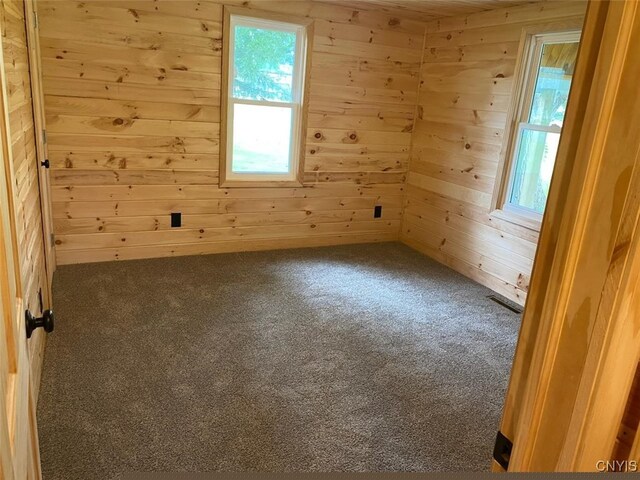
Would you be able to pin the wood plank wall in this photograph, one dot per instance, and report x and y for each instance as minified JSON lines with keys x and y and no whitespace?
{"x":465,"y":93}
{"x":23,"y":153}
{"x":132,"y":95}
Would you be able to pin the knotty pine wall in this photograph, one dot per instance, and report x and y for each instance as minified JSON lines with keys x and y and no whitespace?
{"x":132,"y":100}
{"x":465,"y":93}
{"x":132,"y":96}
{"x":22,"y":156}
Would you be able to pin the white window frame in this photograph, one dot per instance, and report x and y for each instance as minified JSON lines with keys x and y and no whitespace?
{"x":521,"y":107}
{"x":302,"y":28}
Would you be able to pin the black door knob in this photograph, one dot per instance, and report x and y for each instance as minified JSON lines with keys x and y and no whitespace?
{"x":45,"y":163}
{"x":45,"y":321}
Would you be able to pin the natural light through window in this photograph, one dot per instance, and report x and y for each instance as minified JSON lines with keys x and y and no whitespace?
{"x":266,"y":69}
{"x":542,"y":105}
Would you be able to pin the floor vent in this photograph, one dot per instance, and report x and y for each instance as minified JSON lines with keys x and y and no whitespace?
{"x":514,"y":307}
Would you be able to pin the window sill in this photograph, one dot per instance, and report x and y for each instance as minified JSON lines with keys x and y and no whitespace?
{"x":525,"y":221}
{"x":259,"y":183}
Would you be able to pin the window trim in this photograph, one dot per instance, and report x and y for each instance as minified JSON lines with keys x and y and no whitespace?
{"x":299,"y":106}
{"x":531,"y":43}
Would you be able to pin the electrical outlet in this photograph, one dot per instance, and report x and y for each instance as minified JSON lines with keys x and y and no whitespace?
{"x":176,"y":219}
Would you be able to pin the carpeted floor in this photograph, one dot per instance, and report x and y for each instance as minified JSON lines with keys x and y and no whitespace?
{"x":352,"y":358}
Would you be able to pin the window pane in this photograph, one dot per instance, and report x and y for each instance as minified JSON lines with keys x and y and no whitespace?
{"x":263,"y":64}
{"x":261,"y":138}
{"x":553,"y":82}
{"x":534,"y":167}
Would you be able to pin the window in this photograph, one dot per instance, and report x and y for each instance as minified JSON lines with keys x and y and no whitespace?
{"x":265,"y":66}
{"x":547,"y":72}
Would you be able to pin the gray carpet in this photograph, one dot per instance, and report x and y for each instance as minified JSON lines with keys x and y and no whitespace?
{"x":351,"y":358}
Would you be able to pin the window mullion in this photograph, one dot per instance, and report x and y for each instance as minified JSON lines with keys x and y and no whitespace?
{"x":539,"y":128}
{"x":265,"y":103}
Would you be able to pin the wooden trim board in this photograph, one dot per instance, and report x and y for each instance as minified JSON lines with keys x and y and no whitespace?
{"x":577,"y":352}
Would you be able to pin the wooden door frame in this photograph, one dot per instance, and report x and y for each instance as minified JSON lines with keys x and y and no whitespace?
{"x":44,"y":185}
{"x":578,"y":348}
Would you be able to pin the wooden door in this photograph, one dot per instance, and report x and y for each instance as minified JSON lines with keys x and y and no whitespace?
{"x":20,"y":82}
{"x":580,"y":339}
{"x":19,"y":454}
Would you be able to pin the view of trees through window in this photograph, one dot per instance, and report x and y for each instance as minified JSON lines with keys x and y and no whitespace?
{"x":263,"y":62}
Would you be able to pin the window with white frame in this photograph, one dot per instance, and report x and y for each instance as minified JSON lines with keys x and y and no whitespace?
{"x":266,"y":62}
{"x":549,"y":63}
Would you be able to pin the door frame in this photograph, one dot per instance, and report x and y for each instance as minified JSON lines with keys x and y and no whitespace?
{"x":44,"y":183}
{"x":578,"y":348}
